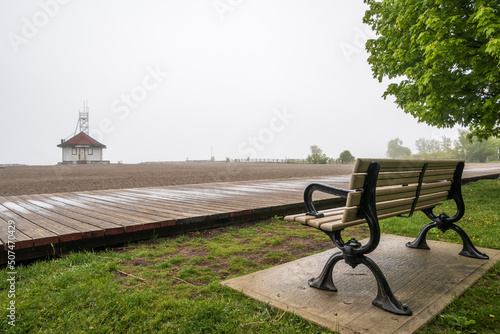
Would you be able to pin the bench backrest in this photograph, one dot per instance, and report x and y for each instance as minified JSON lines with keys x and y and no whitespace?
{"x":399,"y":183}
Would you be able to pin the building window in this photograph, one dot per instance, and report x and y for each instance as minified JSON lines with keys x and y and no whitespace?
{"x":74,"y":151}
{"x":90,"y":150}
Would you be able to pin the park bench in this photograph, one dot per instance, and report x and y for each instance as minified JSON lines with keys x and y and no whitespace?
{"x":381,"y":189}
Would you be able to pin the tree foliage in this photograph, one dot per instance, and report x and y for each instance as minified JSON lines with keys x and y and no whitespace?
{"x":396,"y":150}
{"x":317,"y":156}
{"x":428,"y":146}
{"x":446,"y":55}
{"x":346,"y":157}
{"x":463,"y":148}
{"x":475,"y":150}
{"x":434,"y":148}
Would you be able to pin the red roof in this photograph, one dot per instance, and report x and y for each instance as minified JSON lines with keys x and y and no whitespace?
{"x":82,"y":139}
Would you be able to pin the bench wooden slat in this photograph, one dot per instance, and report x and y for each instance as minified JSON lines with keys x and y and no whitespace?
{"x":388,"y":165}
{"x":318,"y":222}
{"x":304,"y":219}
{"x":394,"y":206}
{"x":393,"y":179}
{"x":390,"y":193}
{"x":433,"y":200}
{"x":432,"y":194}
{"x":335,"y":224}
{"x":347,"y":216}
{"x":338,"y":225}
{"x":402,"y":178}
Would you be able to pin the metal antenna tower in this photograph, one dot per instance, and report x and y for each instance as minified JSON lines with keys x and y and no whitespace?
{"x":83,"y":121}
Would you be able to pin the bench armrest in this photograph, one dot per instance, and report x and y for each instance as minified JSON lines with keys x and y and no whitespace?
{"x":311,"y":210}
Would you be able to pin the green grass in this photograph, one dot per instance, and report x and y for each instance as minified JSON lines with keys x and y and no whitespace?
{"x":481,"y":220}
{"x":170,"y":285}
{"x":477,"y":310}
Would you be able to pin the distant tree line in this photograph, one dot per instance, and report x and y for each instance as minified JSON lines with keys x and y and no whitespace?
{"x":472,"y":150}
{"x":318,"y":157}
{"x":466,"y":147}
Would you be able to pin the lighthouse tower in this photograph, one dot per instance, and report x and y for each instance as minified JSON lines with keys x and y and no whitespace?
{"x":81,"y":148}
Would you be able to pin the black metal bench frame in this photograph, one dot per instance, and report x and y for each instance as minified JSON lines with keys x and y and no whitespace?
{"x":353,"y":253}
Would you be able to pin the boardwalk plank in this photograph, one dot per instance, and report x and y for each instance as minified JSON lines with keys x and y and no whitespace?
{"x":193,"y":207}
{"x":142,"y":207}
{"x":148,"y":205}
{"x":124,"y":207}
{"x":214,"y":205}
{"x":236,"y":201}
{"x":61,"y":216}
{"x":39,"y":235}
{"x":21,"y":240}
{"x":75,"y":209}
{"x":112,"y":221}
{"x":175,"y":207}
{"x":38,"y":217}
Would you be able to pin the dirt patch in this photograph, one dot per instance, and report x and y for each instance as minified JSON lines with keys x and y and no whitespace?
{"x":294,"y":247}
{"x":24,"y":180}
{"x":138,"y":262}
{"x":190,"y":262}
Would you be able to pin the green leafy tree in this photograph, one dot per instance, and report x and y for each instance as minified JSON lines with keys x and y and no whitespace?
{"x":433,"y":148}
{"x":476,"y":151}
{"x":317,"y":156}
{"x":446,"y":57}
{"x":428,"y":146}
{"x":346,"y":157}
{"x":446,"y":145}
{"x":396,"y":150}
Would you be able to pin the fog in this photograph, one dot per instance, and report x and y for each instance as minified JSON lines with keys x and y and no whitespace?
{"x":176,"y":80}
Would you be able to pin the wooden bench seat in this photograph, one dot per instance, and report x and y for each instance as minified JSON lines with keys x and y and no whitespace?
{"x":381,"y":189}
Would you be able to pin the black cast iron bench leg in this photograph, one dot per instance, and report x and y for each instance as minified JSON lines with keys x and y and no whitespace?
{"x":325,"y":280}
{"x":444,"y":223}
{"x":468,"y":248}
{"x":385,"y":297}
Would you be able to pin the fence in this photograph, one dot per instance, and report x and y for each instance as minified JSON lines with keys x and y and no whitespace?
{"x":279,"y":161}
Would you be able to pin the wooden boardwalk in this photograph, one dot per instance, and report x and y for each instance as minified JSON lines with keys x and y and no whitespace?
{"x":48,"y":224}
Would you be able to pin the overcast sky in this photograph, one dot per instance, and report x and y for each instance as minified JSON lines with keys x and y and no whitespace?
{"x":168,"y":80}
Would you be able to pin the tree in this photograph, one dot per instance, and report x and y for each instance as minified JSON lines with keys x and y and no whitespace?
{"x":396,"y":150}
{"x":317,"y":156}
{"x":446,"y":54}
{"x":428,"y":146}
{"x":480,"y":151}
{"x":446,"y":144}
{"x":433,"y":148}
{"x":346,"y":157}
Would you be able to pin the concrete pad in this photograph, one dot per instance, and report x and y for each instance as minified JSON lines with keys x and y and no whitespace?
{"x":425,"y":280}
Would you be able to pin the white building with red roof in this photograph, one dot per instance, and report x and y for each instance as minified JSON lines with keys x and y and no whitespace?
{"x":82,"y":149}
